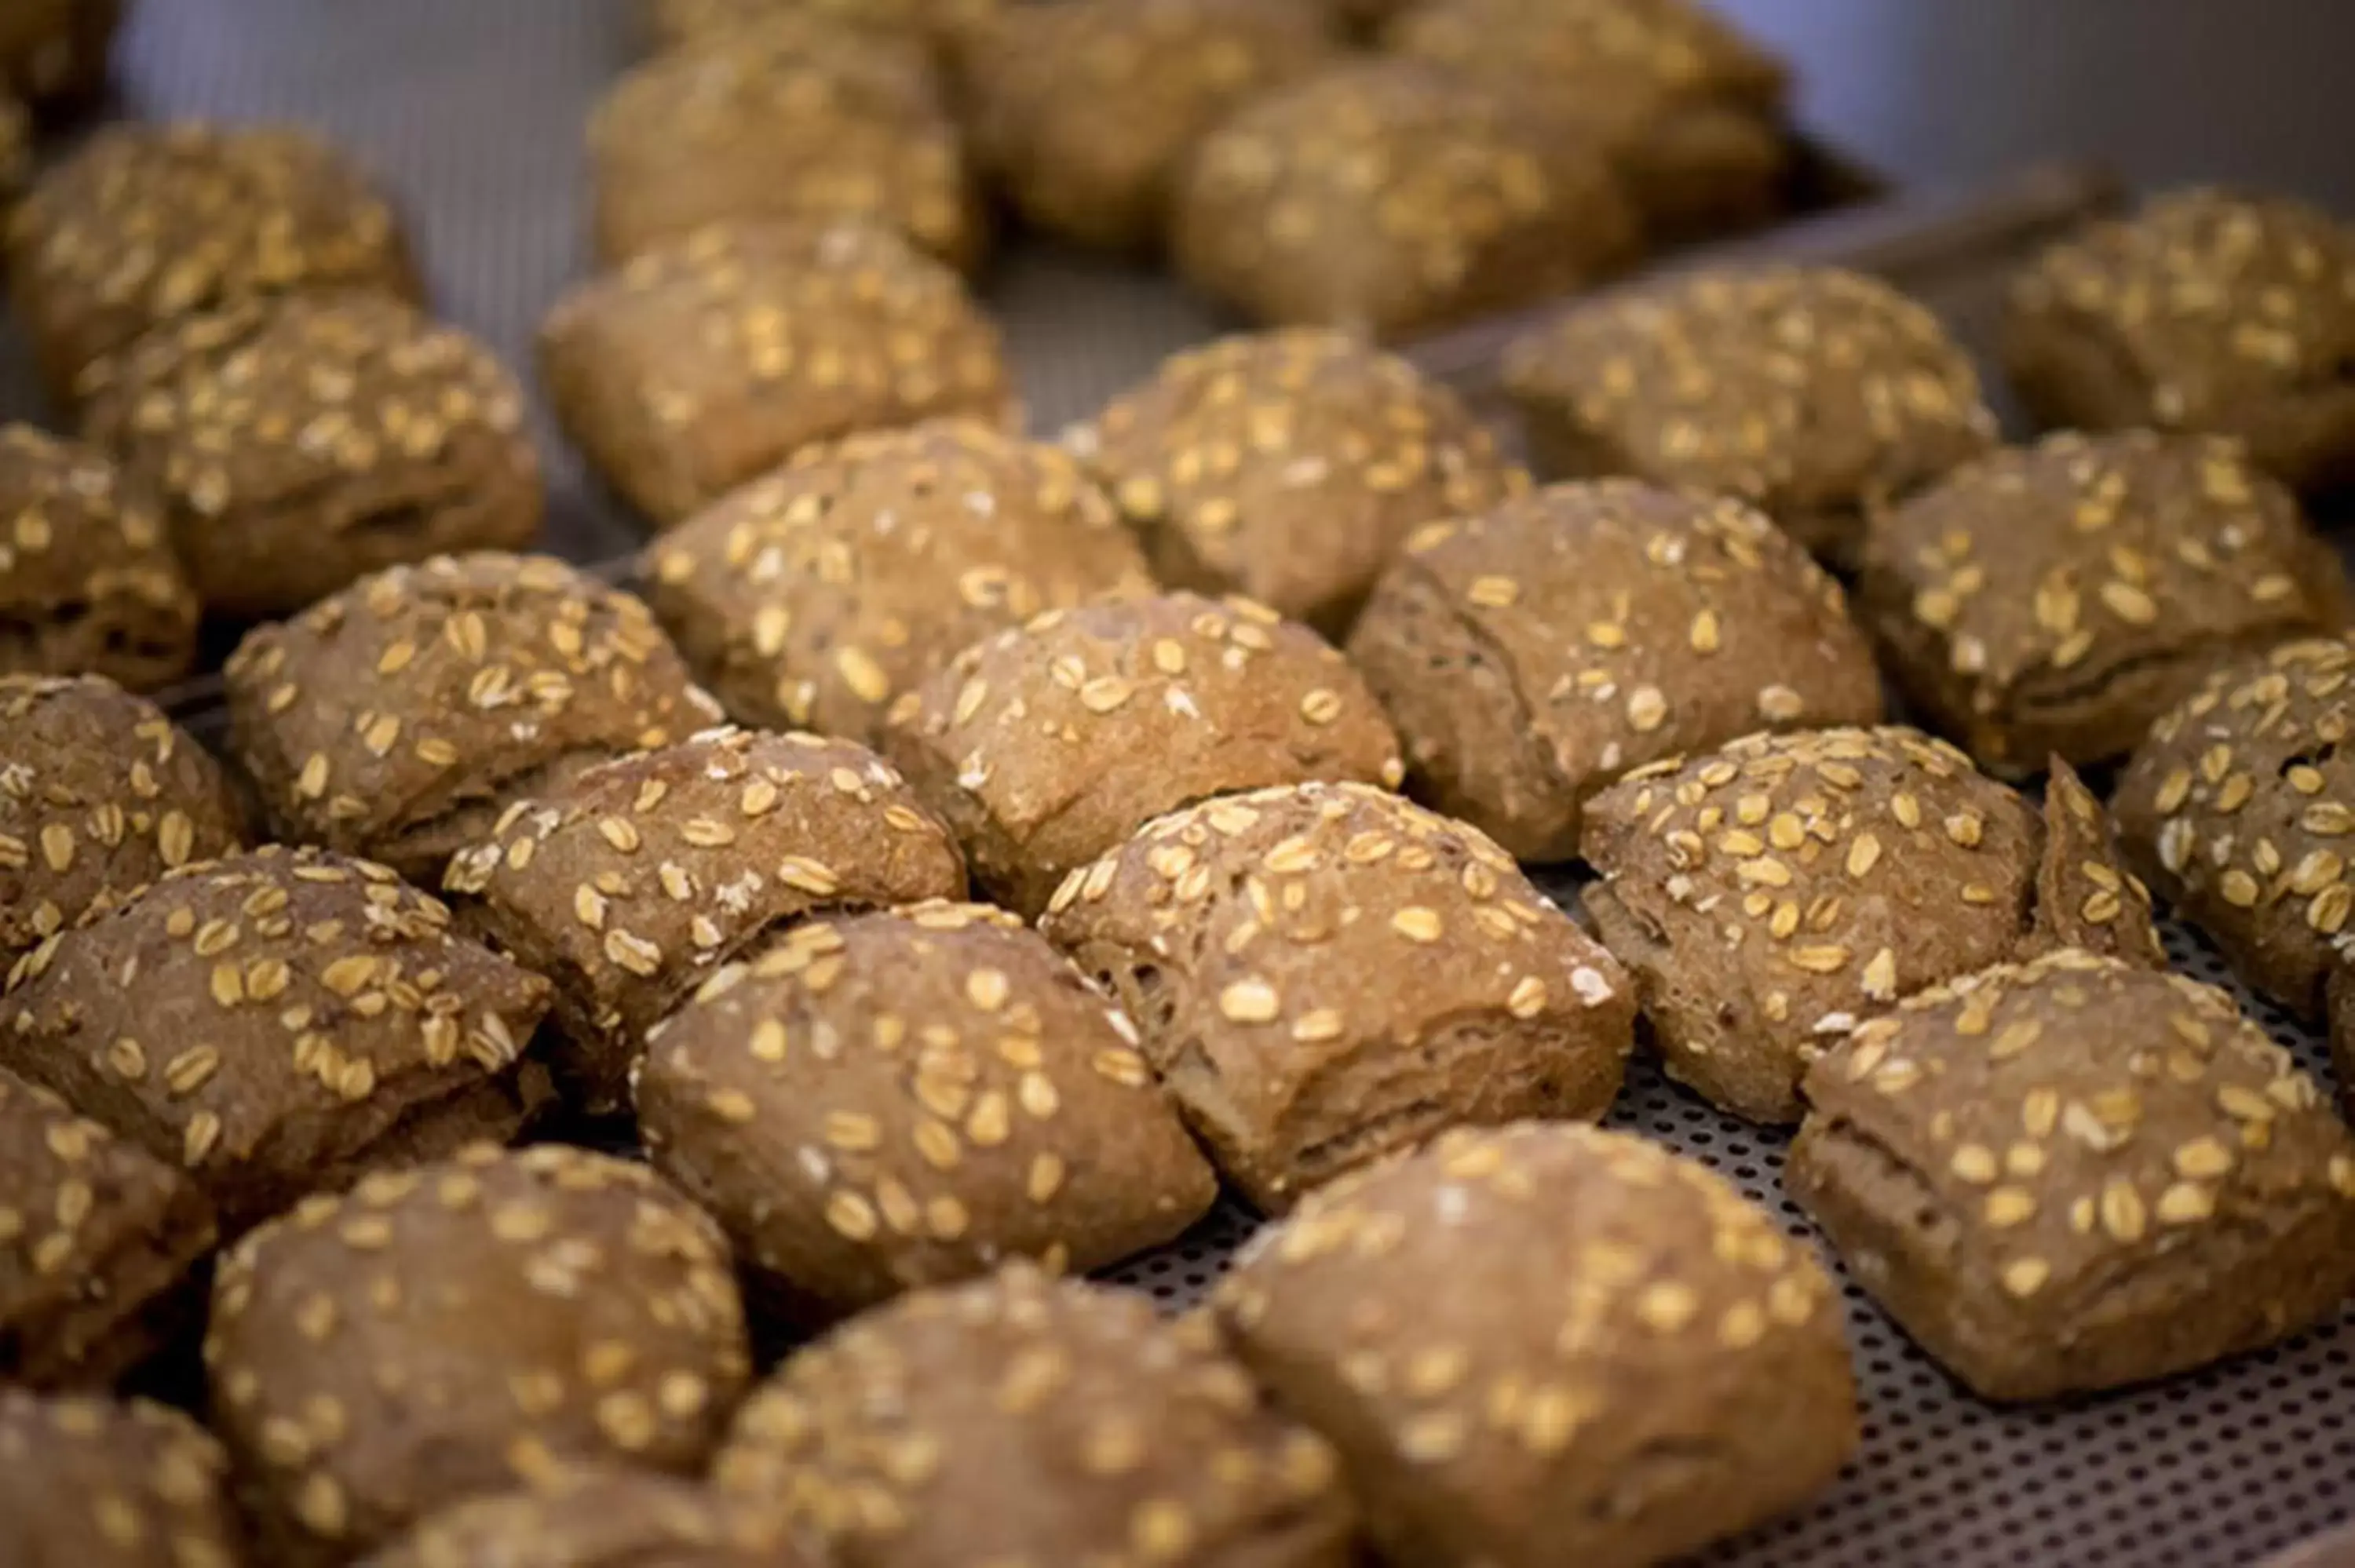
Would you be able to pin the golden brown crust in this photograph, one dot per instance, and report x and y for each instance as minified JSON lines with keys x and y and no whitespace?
{"x":1544,"y":1344}
{"x":894,"y":1100}
{"x":2058,"y":599}
{"x":669,"y":23}
{"x":640,"y":876}
{"x":1290,"y":465}
{"x":1325,"y":974}
{"x":107,"y":1484}
{"x":1045,"y":746}
{"x":461,"y":1328}
{"x":594,"y":1517}
{"x":2076,"y":1173}
{"x":398,"y":718}
{"x":1020,"y":1418}
{"x":816,"y":594}
{"x":1473,"y":206}
{"x":1531,"y":654}
{"x":703,"y":364}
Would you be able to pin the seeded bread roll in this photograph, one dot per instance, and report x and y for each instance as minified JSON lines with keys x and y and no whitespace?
{"x":2058,"y":599}
{"x":398,"y":718}
{"x":595,"y":1516}
{"x":148,"y":223}
{"x":1046,"y":746}
{"x":882,"y":1102}
{"x":776,"y":120}
{"x":706,"y":363}
{"x":2073,"y":1174}
{"x":2238,"y":808}
{"x":632,"y":882}
{"x":1290,"y":465}
{"x":55,"y":51}
{"x":100,"y":1484}
{"x":819,"y":593}
{"x":1471,"y":206}
{"x":1778,"y":890}
{"x":1532,"y":653}
{"x":2206,"y":310}
{"x":277,"y":1023}
{"x":298,"y":443}
{"x":454,"y":1330}
{"x":1085,"y":111}
{"x":88,"y":584}
{"x":1324,"y":974}
{"x":100,"y":795}
{"x":1025,"y":1419}
{"x":1545,"y":1344}
{"x":669,"y":23}
{"x":1689,"y":110}
{"x":98,"y":1241}
{"x":1818,"y":395}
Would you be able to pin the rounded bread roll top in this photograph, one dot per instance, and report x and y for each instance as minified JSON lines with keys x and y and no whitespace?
{"x":109,"y":1484}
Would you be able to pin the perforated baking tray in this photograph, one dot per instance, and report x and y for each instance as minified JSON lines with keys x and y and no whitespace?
{"x":471,"y":109}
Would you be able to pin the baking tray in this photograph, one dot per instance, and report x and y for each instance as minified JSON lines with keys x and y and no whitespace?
{"x":470,"y":109}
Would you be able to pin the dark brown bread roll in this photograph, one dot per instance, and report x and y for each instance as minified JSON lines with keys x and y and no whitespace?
{"x":887,"y":1101}
{"x":2238,"y":806}
{"x":591,"y":1516}
{"x":705,"y":364}
{"x":777,"y":120}
{"x":1086,"y":110}
{"x":2075,"y":1173}
{"x":2206,"y":310}
{"x":1545,"y":1344}
{"x":1047,"y":745}
{"x":54,"y":52}
{"x":1818,"y":395}
{"x":1325,"y":974}
{"x":1392,"y":198}
{"x":458,"y":1329}
{"x":1290,"y":465}
{"x":1778,"y":890}
{"x":16,"y":150}
{"x":400,"y":717}
{"x":98,"y":1242}
{"x":300,"y":442}
{"x":639,"y":877}
{"x":1024,"y":1419}
{"x":669,"y":23}
{"x":99,"y":1484}
{"x":89,"y":583}
{"x":1532,"y":653}
{"x":816,"y":594}
{"x":148,"y":223}
{"x":277,"y":1023}
{"x":2060,"y":597}
{"x":99,"y":794}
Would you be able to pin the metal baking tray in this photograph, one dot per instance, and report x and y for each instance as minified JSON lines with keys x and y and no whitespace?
{"x":472,"y":110}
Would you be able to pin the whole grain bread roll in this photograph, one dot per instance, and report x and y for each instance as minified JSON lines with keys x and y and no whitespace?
{"x":398,"y":718}
{"x":819,"y":592}
{"x":1324,"y":974}
{"x":1544,"y":1344}
{"x":457,"y":1329}
{"x":595,"y":1516}
{"x":106,"y":1484}
{"x":2076,"y":1173}
{"x":276,"y":1024}
{"x":1025,"y":1419}
{"x":146,"y":223}
{"x":1774,"y":892}
{"x":1818,"y":395}
{"x":1290,"y":465}
{"x":1532,"y":653}
{"x":99,"y":794}
{"x":2209,"y":311}
{"x":1044,"y":746}
{"x":2058,"y":599}
{"x":642,"y":875}
{"x":887,"y":1101}
{"x":1392,"y":198}
{"x":99,"y":1241}
{"x":297,"y":443}
{"x":703,"y":364}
